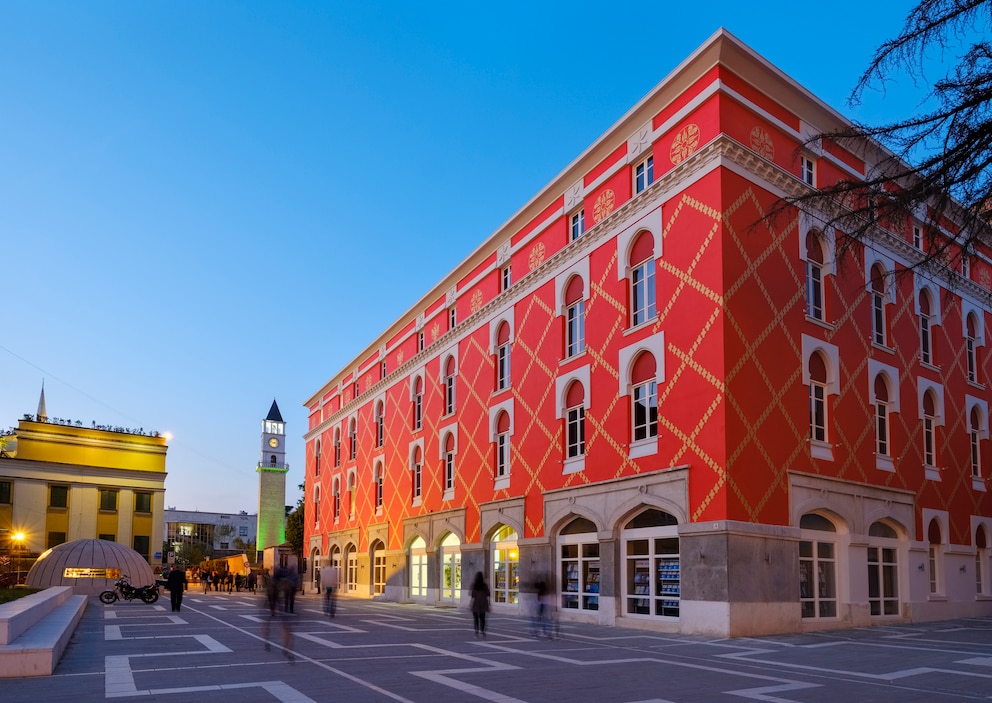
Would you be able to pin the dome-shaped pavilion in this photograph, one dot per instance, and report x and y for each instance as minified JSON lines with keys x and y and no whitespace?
{"x":89,"y":566}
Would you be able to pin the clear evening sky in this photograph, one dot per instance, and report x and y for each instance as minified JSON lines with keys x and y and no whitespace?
{"x":205,"y":205}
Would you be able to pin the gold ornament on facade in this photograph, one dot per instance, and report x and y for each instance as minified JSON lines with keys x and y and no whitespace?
{"x":685,"y":143}
{"x":985,"y":278}
{"x":435,"y":331}
{"x":605,"y":203}
{"x":536,"y":256}
{"x":476,"y":301}
{"x":399,"y":357}
{"x":762,"y":143}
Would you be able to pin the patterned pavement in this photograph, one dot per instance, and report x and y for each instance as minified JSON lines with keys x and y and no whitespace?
{"x":229,"y":644}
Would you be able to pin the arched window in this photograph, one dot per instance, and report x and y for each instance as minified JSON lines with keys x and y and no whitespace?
{"x":502,"y":357}
{"x":378,"y":568}
{"x":929,"y":429}
{"x":883,"y":570}
{"x":337,"y":446}
{"x":352,"y":439}
{"x":879,"y":325}
{"x":575,"y":421}
{"x":316,"y":507}
{"x":575,"y":318}
{"x":817,"y":567}
{"x":579,"y":565}
{"x":970,"y":346}
{"x":377,"y":477}
{"x":417,"y":466}
{"x":502,"y":445}
{"x":418,"y":568}
{"x":650,"y":568}
{"x":351,"y":574}
{"x":814,"y":277}
{"x":449,"y":462}
{"x":272,"y":460}
{"x":642,"y":287}
{"x":380,"y":430}
{"x":449,"y":385}
{"x":351,"y":495}
{"x":817,"y":397}
{"x":316,"y":457}
{"x":336,"y":490}
{"x":883,"y":409}
{"x":644,"y":397}
{"x":506,"y":561}
{"x":418,"y":403}
{"x":926,"y":328}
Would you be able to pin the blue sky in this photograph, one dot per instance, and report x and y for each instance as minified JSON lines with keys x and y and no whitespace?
{"x":207,"y":205}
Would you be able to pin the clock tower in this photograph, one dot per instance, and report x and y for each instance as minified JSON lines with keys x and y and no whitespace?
{"x":272,"y":471}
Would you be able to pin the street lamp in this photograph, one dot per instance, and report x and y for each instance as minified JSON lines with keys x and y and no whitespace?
{"x":18,"y":547}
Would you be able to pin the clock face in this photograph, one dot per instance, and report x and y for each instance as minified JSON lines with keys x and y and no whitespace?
{"x":273,"y":442}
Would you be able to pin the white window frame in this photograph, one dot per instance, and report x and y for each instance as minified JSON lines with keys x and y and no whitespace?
{"x":880,"y":300}
{"x":643,"y":174}
{"x":502,"y":481}
{"x":448,"y":384}
{"x":807,"y":170}
{"x":505,"y":278}
{"x":656,"y":345}
{"x":417,"y":471}
{"x":975,"y":437}
{"x":577,"y":224}
{"x":643,"y":296}
{"x":448,"y":459}
{"x":826,"y":235}
{"x":582,"y":374}
{"x":378,"y":479}
{"x":930,"y":425}
{"x":885,"y":461}
{"x":821,"y":449}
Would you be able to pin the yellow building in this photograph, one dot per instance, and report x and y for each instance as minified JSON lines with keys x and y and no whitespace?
{"x":61,"y":481}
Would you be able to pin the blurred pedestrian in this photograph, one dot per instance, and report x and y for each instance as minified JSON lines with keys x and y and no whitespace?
{"x":176,"y":583}
{"x":480,"y":604}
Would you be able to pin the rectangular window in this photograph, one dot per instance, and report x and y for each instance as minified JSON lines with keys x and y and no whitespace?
{"x":817,"y":412}
{"x":55,"y":539}
{"x":925,"y":355}
{"x":452,"y":318}
{"x":806,"y":165}
{"x":929,"y":456}
{"x":882,"y":428}
{"x":417,"y":474}
{"x":5,"y":493}
{"x":108,"y":500}
{"x":449,"y":395}
{"x":578,"y":224}
{"x":976,"y":469}
{"x":918,"y":237}
{"x":502,"y":455}
{"x":141,"y":545}
{"x":420,"y":341}
{"x":355,"y":389}
{"x":814,"y":290}
{"x":878,"y":319}
{"x":243,"y":531}
{"x":382,"y":369}
{"x":642,"y":296}
{"x":449,"y":470}
{"x":970,"y":358}
{"x":106,"y":538}
{"x":576,"y":432}
{"x":58,"y":497}
{"x":503,"y":367}
{"x":142,"y":502}
{"x":418,"y":411}
{"x":505,"y":278}
{"x":645,"y":400}
{"x":575,"y":329}
{"x":644,"y":174}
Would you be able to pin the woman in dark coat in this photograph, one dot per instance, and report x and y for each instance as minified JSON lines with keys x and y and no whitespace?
{"x":480,"y":604}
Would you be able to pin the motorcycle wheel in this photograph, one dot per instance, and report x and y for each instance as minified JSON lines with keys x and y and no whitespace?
{"x":150,"y":596}
{"x":108,"y":597}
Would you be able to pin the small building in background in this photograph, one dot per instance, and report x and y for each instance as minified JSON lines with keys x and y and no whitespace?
{"x":194,"y":536}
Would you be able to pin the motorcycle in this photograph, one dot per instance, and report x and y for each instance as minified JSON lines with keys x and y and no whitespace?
{"x":123,"y":590}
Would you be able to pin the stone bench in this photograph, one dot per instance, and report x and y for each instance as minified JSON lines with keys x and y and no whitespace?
{"x":35,"y":630}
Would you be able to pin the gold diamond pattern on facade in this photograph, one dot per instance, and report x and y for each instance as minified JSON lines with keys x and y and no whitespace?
{"x":604,"y":205}
{"x":762,"y":143}
{"x":684,"y":143}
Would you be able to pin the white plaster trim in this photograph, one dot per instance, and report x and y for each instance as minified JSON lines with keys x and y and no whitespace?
{"x":574,"y":195}
{"x":821,"y":450}
{"x":970,"y":402}
{"x":652,"y":223}
{"x":943,"y":519}
{"x":451,"y":351}
{"x":654,"y":344}
{"x":414,"y":375}
{"x":504,"y":316}
{"x":507,"y":407}
{"x":812,"y":344}
{"x":643,"y":447}
{"x":892,"y":374}
{"x":922,"y":386}
{"x":501,"y":483}
{"x":968,"y":307}
{"x":442,"y":431}
{"x":503,"y":253}
{"x":581,"y":269}
{"x":640,"y":142}
{"x":808,"y":221}
{"x":574,"y":465}
{"x":873,"y":257}
{"x":920,"y":283}
{"x":582,"y":375}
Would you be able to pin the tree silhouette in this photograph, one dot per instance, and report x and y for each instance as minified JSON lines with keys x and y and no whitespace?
{"x":933,"y":166}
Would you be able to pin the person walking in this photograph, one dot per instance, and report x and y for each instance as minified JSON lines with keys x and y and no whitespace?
{"x":480,"y":604}
{"x":176,"y":583}
{"x":329,"y":578}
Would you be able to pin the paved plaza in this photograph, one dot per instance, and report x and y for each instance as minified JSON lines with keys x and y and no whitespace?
{"x":227,"y":647}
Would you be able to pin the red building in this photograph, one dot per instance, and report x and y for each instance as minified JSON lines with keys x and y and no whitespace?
{"x":689,"y":418}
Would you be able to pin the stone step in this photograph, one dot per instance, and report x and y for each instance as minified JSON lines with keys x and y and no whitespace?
{"x":17,"y":616}
{"x":37,"y":651}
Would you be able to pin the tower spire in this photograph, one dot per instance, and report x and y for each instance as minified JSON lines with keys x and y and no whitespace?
{"x":42,"y":411}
